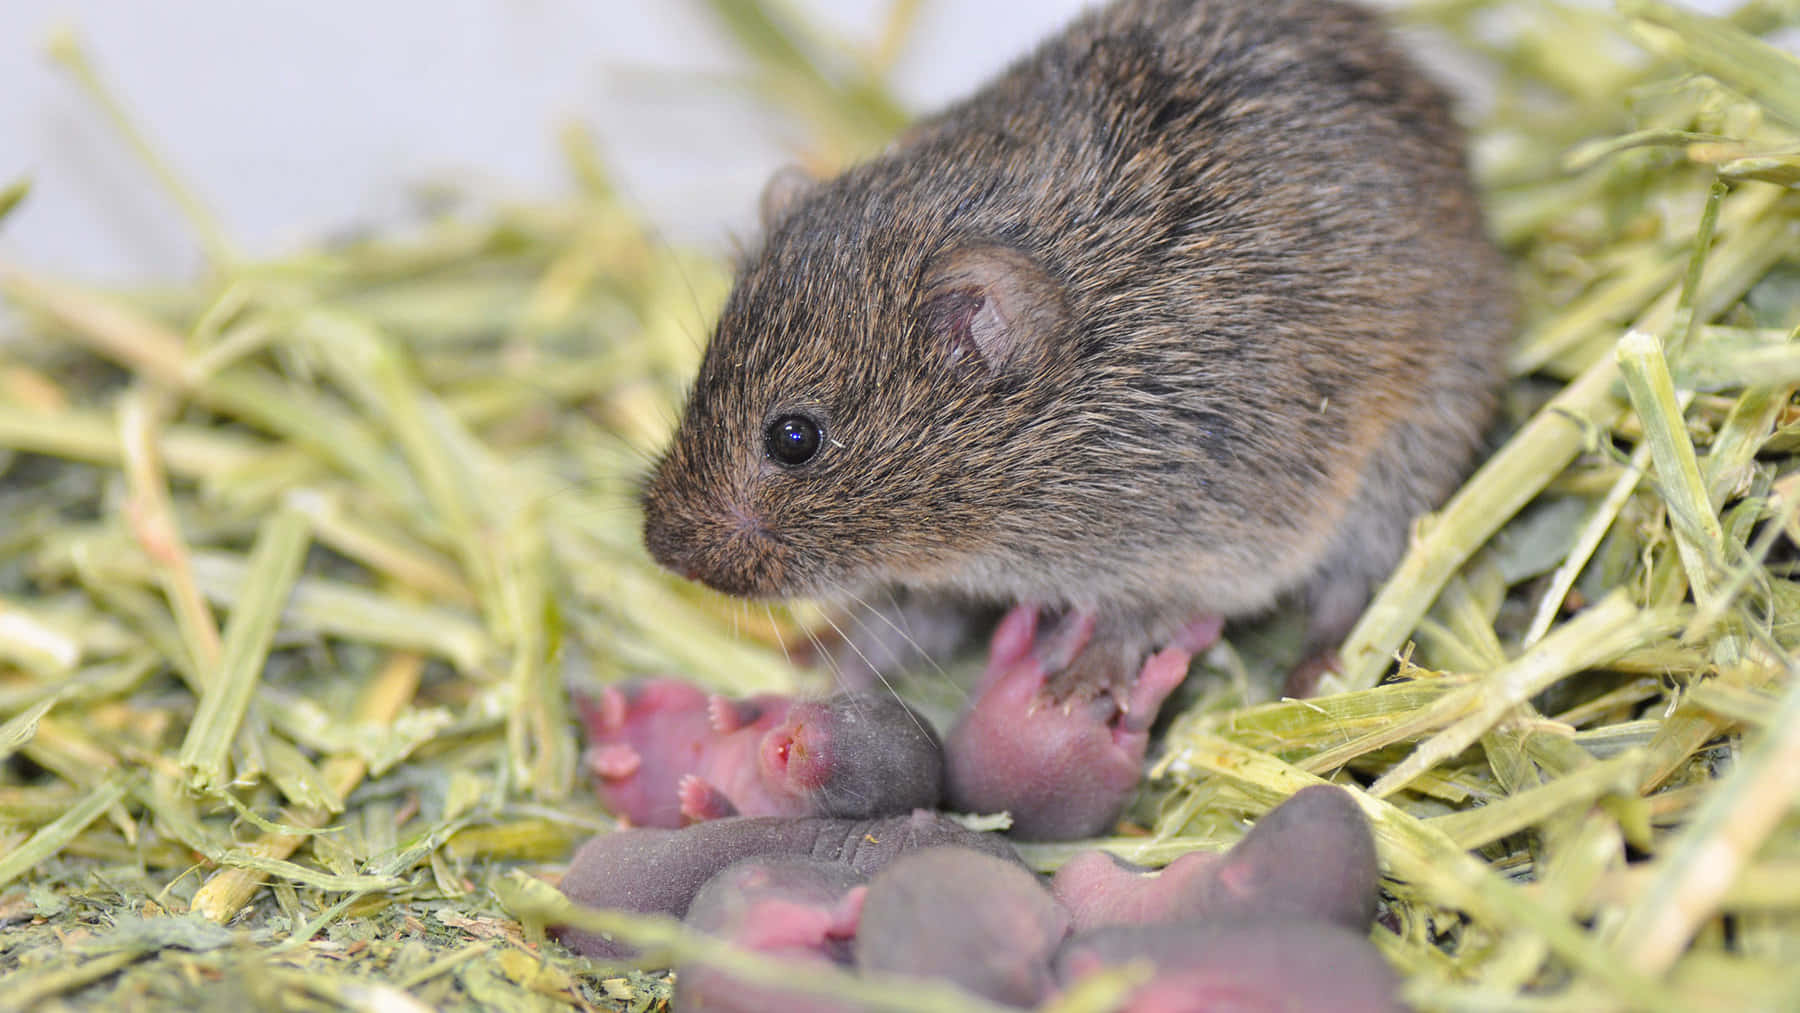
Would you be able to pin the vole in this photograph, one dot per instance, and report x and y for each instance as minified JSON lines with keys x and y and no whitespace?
{"x":794,"y":908}
{"x":1060,"y":772}
{"x":953,"y":913}
{"x":654,"y":870}
{"x":664,"y":753}
{"x":1188,"y":310}
{"x":1311,"y":857}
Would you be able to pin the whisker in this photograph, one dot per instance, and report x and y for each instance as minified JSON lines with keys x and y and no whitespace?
{"x":831,"y":663}
{"x":780,"y":641}
{"x":905,"y":634}
{"x":883,"y":679}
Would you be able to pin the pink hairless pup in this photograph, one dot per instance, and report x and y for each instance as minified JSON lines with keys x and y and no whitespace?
{"x":1063,"y":770}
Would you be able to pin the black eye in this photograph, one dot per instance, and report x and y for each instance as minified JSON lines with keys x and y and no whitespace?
{"x":793,"y":440}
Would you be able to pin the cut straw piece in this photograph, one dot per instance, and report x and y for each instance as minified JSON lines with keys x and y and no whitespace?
{"x":66,"y":49}
{"x":1770,"y":367}
{"x":1731,"y":457}
{"x":307,"y":418}
{"x":538,"y":729}
{"x":1585,"y":156}
{"x":1620,"y":298}
{"x":1475,"y":828}
{"x":105,"y":325}
{"x":1681,"y":330}
{"x":332,"y":607}
{"x":151,"y":518}
{"x":1544,"y":447}
{"x":385,"y":551}
{"x":1152,"y":851}
{"x":1748,"y":569}
{"x":20,"y":728}
{"x":1509,"y":480}
{"x":1754,"y":238}
{"x":251,"y":859}
{"x":1317,"y":722}
{"x":50,"y":839}
{"x":297,"y":779}
{"x":1743,"y":706}
{"x":1770,"y":886}
{"x":381,"y":701}
{"x":12,"y":195}
{"x":27,"y":989}
{"x":37,"y":641}
{"x":251,"y":394}
{"x":1599,"y":522}
{"x":1686,"y":731}
{"x":1722,"y":836}
{"x":269,"y":576}
{"x":1597,"y":635}
{"x":1693,"y":516}
{"x":436,"y":450}
{"x":1768,"y":75}
{"x":92,"y":437}
{"x":1576,"y":859}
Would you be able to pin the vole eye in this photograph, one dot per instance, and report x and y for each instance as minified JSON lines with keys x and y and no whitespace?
{"x":793,"y":440}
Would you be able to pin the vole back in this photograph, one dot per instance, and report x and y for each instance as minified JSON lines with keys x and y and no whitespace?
{"x":1189,"y":309}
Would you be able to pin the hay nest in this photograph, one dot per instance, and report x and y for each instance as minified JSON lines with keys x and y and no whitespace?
{"x":301,"y":558}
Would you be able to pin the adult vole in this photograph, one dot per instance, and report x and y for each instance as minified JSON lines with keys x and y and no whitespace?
{"x":1189,"y":309}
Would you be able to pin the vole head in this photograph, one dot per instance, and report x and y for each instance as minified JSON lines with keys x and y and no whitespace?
{"x":854,"y":412}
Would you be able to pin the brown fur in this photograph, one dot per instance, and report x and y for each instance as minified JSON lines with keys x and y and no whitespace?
{"x":1189,"y":309}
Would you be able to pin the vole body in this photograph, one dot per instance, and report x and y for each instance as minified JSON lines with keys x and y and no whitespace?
{"x":1311,"y":857}
{"x":665,"y":753}
{"x":1061,"y":772}
{"x":1188,"y":310}
{"x":653,"y":870}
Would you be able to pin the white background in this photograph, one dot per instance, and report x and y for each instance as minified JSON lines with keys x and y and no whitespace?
{"x":296,"y":117}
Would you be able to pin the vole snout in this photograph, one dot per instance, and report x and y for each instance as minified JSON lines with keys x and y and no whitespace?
{"x":727,"y":546}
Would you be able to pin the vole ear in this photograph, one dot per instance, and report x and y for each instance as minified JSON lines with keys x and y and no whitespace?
{"x":993,"y":302}
{"x":782,"y":193}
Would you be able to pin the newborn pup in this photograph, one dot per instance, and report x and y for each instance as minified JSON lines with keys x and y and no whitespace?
{"x":948,"y":912}
{"x":664,"y":753}
{"x":1311,"y":857}
{"x":1188,"y":310}
{"x":1062,"y":771}
{"x":658,"y":871}
{"x":1264,"y":964}
{"x":788,"y":907}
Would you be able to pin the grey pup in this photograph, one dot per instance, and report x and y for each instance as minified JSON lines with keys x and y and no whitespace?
{"x":1190,"y":309}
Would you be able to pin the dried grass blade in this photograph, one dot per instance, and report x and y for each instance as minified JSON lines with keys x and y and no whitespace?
{"x":1600,"y":633}
{"x":1731,"y":823}
{"x":228,"y":890}
{"x":151,"y":517}
{"x":51,"y":838}
{"x":1509,"y":480}
{"x":1695,"y":520}
{"x":1475,"y":828}
{"x":1737,"y":58}
{"x":269,"y":577}
{"x":68,"y":51}
{"x":12,"y":195}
